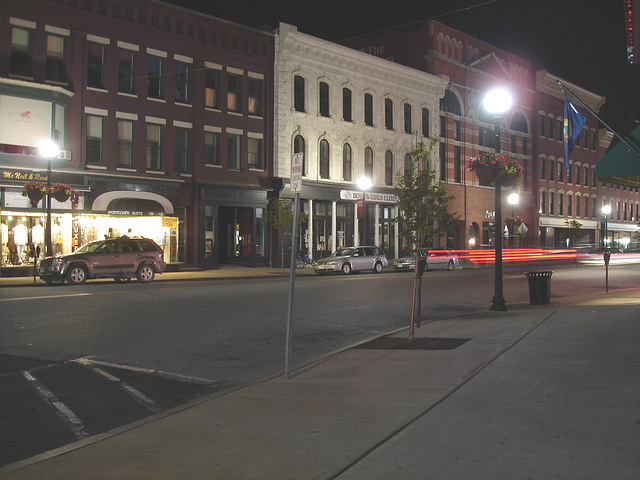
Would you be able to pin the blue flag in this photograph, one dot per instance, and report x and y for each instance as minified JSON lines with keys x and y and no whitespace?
{"x":573,"y":123}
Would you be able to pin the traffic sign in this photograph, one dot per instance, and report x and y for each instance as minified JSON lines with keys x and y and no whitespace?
{"x":296,"y":172}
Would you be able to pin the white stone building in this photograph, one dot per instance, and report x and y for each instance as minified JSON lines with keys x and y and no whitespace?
{"x":351,"y":114}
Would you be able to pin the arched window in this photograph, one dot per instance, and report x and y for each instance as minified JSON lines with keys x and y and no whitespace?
{"x":368,"y":162}
{"x":299,"y":147}
{"x":324,"y":159}
{"x":407,"y":166}
{"x":450,"y":104}
{"x":388,"y":167}
{"x":346,"y":162}
{"x":324,"y":99}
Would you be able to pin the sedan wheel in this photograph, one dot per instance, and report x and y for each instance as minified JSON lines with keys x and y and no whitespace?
{"x":146,"y":273}
{"x":377,"y":268}
{"x":346,"y":268}
{"x":450,"y":265}
{"x":77,"y":275}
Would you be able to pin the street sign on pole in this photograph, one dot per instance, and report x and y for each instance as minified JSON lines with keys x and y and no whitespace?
{"x":296,"y":172}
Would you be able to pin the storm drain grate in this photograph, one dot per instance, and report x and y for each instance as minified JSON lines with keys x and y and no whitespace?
{"x":401,"y":343}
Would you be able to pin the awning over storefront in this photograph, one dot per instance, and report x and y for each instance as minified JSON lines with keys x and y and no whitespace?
{"x":133,"y":203}
{"x":621,"y":163}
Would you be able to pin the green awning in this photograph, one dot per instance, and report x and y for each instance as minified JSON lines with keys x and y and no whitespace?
{"x":621,"y":164}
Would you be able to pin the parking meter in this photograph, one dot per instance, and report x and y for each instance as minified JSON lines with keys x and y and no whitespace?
{"x":422,"y":265}
{"x":607,"y":256}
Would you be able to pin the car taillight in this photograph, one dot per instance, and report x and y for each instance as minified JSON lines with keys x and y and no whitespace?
{"x":162,"y":256}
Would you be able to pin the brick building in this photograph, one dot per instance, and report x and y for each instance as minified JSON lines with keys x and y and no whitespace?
{"x":163,"y":118}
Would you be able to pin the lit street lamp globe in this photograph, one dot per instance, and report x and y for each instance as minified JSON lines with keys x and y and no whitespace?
{"x":497,"y":100}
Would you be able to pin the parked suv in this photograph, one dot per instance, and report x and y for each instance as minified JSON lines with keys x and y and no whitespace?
{"x":118,"y":258}
{"x":352,"y":259}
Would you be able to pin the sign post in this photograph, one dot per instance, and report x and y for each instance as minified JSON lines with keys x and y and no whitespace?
{"x":296,"y":187}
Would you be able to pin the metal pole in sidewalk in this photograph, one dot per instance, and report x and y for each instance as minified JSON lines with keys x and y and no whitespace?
{"x":292,"y":278}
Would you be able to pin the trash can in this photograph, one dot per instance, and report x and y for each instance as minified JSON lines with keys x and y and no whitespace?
{"x":539,"y":287}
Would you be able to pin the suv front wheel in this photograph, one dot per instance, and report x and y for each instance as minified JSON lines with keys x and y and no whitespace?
{"x":76,"y":275}
{"x":146,"y":273}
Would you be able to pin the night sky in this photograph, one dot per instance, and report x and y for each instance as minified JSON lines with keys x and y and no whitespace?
{"x":582,"y":41}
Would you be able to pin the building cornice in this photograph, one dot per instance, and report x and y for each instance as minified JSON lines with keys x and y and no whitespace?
{"x":548,"y":83}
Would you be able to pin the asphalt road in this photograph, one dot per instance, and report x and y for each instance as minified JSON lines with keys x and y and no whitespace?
{"x":78,"y":361}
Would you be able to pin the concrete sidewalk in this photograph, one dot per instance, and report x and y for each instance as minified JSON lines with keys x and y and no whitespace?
{"x":537,"y":392}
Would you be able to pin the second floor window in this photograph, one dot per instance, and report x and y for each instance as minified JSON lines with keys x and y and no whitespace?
{"x":255,"y":153}
{"x":154,"y":147}
{"x":368,"y":162}
{"x":388,"y":168}
{"x":95,"y":140}
{"x":233,"y":151}
{"x":21,"y":61}
{"x":54,"y":68}
{"x":346,"y":162}
{"x":299,"y":147}
{"x":211,"y":148}
{"x":182,"y":150}
{"x":125,"y":143}
{"x":324,"y":159}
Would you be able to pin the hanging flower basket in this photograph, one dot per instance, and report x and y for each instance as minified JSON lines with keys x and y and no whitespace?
{"x":509,"y":180}
{"x":491,"y":165}
{"x":487,"y":174}
{"x":35,"y":191}
{"x":61,"y":192}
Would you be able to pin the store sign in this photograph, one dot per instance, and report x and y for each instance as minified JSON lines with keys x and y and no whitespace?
{"x":169,"y":222}
{"x":26,"y":177}
{"x":135,"y":213}
{"x":24,"y":121}
{"x":370,"y":196}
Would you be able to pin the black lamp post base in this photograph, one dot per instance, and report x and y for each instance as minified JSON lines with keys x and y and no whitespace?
{"x":498,"y":305}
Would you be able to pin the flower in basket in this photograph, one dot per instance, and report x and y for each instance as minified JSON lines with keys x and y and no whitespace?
{"x":61,"y":189}
{"x":517,"y":220}
{"x":34,"y":190}
{"x":510,"y":166}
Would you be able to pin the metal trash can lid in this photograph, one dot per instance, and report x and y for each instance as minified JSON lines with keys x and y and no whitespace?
{"x":538,"y":274}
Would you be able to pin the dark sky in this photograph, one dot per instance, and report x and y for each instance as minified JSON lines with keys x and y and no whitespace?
{"x":582,"y":41}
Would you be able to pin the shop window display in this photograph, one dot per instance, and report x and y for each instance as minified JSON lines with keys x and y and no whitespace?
{"x":23,"y":237}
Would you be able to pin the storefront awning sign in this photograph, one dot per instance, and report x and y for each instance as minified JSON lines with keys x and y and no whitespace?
{"x":370,"y":196}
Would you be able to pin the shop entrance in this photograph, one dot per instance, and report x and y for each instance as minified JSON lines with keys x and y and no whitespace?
{"x":241,"y":235}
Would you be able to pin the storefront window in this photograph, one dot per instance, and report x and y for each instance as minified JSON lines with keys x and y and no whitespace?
{"x":322,"y":229}
{"x":344,"y":223}
{"x":387,"y":227}
{"x":260,"y":231}
{"x":208,"y":232}
{"x":162,"y":230}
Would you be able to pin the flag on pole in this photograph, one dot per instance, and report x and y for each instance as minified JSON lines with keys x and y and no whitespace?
{"x":573,"y":123}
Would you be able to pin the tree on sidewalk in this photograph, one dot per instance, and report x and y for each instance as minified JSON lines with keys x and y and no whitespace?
{"x":574,"y":227}
{"x":280,"y":215}
{"x":423,"y":209}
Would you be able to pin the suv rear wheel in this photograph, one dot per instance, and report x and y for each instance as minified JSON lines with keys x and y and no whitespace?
{"x":146,"y":273}
{"x":76,"y":274}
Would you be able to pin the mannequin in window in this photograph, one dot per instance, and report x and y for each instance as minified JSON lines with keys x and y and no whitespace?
{"x":21,"y":238}
{"x":4,"y":236}
{"x":37,"y":235}
{"x":56,"y":237}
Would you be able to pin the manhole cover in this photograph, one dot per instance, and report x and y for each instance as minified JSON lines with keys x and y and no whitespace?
{"x":400,"y":343}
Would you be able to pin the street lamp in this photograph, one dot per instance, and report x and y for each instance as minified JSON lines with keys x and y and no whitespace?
{"x":498,"y":101}
{"x":514,"y":199}
{"x":364,"y":184}
{"x":606,"y":210}
{"x":49,"y":150}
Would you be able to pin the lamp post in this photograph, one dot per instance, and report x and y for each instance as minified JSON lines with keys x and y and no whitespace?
{"x":48,"y":150}
{"x":513,"y":200}
{"x":498,"y":101}
{"x":606,"y":210}
{"x":364,"y":184}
